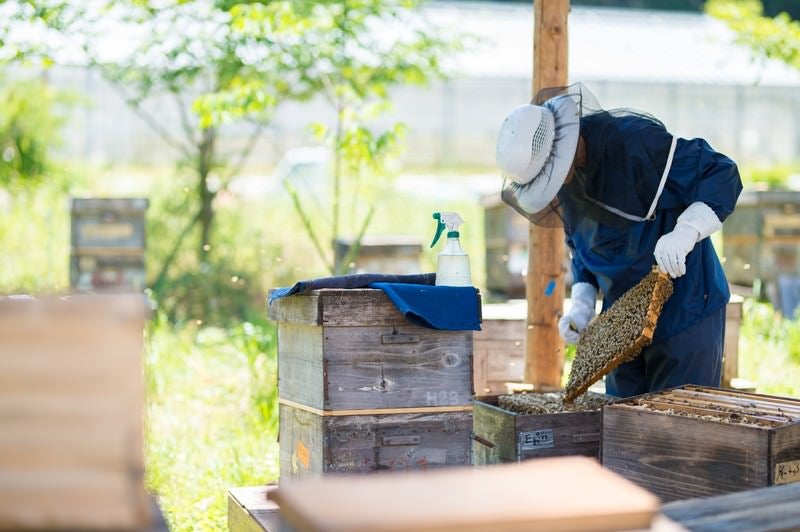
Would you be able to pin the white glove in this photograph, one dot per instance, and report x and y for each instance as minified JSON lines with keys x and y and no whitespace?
{"x":574,"y":322}
{"x":693,"y":225}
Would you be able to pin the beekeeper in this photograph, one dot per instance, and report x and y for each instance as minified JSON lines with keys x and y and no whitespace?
{"x":629,"y":195}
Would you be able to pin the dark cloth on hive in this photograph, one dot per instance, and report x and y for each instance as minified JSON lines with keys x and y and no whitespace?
{"x":358,"y":280}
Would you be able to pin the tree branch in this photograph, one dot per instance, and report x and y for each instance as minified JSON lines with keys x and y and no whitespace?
{"x":244,"y":154}
{"x":151,"y":122}
{"x":162,"y":274}
{"x":187,"y":126}
{"x":307,"y":225}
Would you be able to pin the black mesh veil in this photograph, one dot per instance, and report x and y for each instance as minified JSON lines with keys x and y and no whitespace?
{"x":617,"y":173}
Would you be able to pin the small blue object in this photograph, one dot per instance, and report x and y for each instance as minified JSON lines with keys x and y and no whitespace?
{"x":551,"y":286}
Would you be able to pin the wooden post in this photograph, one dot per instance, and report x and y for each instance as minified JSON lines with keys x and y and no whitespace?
{"x":544,"y":359}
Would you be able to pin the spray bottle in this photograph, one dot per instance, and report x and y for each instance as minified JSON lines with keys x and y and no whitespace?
{"x":452,"y":265}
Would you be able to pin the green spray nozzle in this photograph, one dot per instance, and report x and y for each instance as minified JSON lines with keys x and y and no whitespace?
{"x":449,"y":220}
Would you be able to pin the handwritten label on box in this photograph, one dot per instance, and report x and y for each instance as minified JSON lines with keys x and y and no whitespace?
{"x":536,"y":439}
{"x":786,"y":472}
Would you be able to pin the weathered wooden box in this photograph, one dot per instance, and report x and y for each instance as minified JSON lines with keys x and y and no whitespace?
{"x":313,"y":443}
{"x":698,"y":441}
{"x":499,"y":347}
{"x":500,"y":435}
{"x":352,"y":349}
{"x":71,"y":413}
{"x":108,"y":244}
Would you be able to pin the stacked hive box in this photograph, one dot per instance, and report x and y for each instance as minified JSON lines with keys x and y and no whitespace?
{"x":501,"y":435}
{"x":499,"y":355}
{"x":71,"y":408}
{"x":363,"y":389}
{"x":698,"y":441}
{"x":108,"y":243}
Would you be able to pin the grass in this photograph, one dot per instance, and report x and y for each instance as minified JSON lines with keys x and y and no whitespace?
{"x":769,"y":350}
{"x":212,"y":419}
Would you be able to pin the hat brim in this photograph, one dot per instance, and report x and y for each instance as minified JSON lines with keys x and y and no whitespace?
{"x":540,"y":191}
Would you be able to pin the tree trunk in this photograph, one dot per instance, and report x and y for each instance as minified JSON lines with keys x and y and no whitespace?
{"x":544,"y":351}
{"x":204,"y":166}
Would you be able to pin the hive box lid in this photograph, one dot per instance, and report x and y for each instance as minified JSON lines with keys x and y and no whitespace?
{"x":571,"y":493}
{"x":337,"y":307}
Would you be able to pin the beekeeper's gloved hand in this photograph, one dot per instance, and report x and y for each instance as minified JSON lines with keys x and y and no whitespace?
{"x":574,"y":322}
{"x":693,"y":225}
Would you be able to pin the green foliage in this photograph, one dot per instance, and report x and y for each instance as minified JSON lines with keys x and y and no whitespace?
{"x":228,"y":284}
{"x":211,"y":417}
{"x":773,"y":38}
{"x":34,"y":237}
{"x":769,"y":349}
{"x":30,"y":126}
{"x":352,"y":53}
{"x":770,"y":177}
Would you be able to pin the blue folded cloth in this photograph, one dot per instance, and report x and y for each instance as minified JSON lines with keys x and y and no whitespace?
{"x":356,"y":280}
{"x":449,"y":308}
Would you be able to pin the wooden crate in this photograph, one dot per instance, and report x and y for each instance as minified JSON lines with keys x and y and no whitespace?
{"x":499,"y":347}
{"x":71,"y":413}
{"x":503,"y":436}
{"x":352,"y":349}
{"x":314,"y":442}
{"x":249,"y":510}
{"x":108,"y":244}
{"x":665,"y":448}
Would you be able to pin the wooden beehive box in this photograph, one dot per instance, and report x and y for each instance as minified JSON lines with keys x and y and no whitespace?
{"x":71,"y":413}
{"x":698,"y":441}
{"x":362,"y":389}
{"x":378,"y":440}
{"x":499,"y":347}
{"x":352,"y":349}
{"x":500,"y":435}
{"x":108,"y":244}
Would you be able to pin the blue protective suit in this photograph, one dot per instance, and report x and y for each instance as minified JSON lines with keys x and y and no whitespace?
{"x":687,"y":345}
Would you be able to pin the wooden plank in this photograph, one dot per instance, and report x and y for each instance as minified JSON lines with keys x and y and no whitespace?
{"x":377,"y":411}
{"x":554,"y":494}
{"x":506,"y":367}
{"x":71,"y":412}
{"x":677,"y":457}
{"x":300,"y":365}
{"x":787,"y":413}
{"x":397,"y":442}
{"x":573,"y":433}
{"x":249,"y":510}
{"x":773,"y":508}
{"x":745,"y":395}
{"x":499,"y":348}
{"x":41,"y":446}
{"x":374,"y":308}
{"x":72,"y":498}
{"x":301,"y":442}
{"x":480,"y":370}
{"x":544,"y":347}
{"x":297,"y":309}
{"x":688,"y":407}
{"x":784,"y":455}
{"x":494,"y":439}
{"x":364,"y":369}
